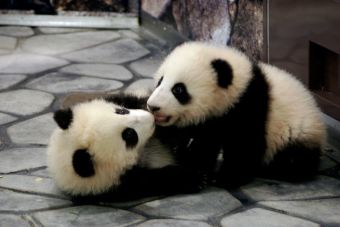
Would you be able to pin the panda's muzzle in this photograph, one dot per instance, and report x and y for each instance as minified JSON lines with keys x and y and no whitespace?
{"x":161,"y":118}
{"x":153,"y":109}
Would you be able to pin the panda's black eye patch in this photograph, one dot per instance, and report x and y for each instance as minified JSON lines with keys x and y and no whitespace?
{"x":82,"y":163}
{"x":179,"y":90}
{"x":122,"y":111}
{"x":159,"y":82}
{"x":130,"y":137}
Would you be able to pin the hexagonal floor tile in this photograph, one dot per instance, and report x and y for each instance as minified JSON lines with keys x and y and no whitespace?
{"x":28,"y":63}
{"x":258,"y":217}
{"x":200,"y":206}
{"x":13,"y":221}
{"x":62,"y":83}
{"x":13,"y":201}
{"x":5,"y":118}
{"x":121,"y":51}
{"x":17,"y":159}
{"x":109,"y":71}
{"x":8,"y":43}
{"x":25,"y":102}
{"x":321,"y":210}
{"x":62,"y":43}
{"x":10,"y":79}
{"x":146,"y":85}
{"x":263,"y":190}
{"x":33,"y":131}
{"x":16,"y":31}
{"x":88,"y":216}
{"x":172,"y":222}
{"x":147,"y":66}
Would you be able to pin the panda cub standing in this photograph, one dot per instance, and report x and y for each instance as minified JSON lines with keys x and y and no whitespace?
{"x":210,"y":99}
{"x":105,"y":149}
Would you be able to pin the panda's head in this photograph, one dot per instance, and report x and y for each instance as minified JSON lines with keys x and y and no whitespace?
{"x":96,"y":142}
{"x":198,"y":81}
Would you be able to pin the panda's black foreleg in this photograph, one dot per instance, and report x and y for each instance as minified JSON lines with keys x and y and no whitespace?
{"x":139,"y":182}
{"x":232,"y":176}
{"x":240,"y":165}
{"x":142,"y":182}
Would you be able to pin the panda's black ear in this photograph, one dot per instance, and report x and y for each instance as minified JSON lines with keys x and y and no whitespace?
{"x":223,"y":71}
{"x":63,"y":118}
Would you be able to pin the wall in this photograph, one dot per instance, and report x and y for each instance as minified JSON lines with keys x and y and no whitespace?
{"x":237,"y":23}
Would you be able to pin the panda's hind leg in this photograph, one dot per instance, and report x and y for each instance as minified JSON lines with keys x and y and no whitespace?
{"x":296,"y":162}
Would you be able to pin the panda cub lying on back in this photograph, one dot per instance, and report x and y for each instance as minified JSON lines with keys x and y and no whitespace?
{"x":103,"y":149}
{"x":265,"y":122}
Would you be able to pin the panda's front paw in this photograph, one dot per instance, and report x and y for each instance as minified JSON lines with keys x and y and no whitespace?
{"x":197,"y":181}
{"x":203,"y":182}
{"x":184,"y":180}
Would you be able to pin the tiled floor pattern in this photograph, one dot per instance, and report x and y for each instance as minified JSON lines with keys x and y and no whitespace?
{"x":40,"y":66}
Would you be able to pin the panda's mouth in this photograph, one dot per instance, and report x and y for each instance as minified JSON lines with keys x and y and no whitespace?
{"x":161,"y":119}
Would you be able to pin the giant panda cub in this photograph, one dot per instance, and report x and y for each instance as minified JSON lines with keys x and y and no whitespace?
{"x":213,"y":101}
{"x":102,"y":150}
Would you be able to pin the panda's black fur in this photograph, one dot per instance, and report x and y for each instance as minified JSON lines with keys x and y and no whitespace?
{"x":240,"y":131}
{"x":143,"y":179}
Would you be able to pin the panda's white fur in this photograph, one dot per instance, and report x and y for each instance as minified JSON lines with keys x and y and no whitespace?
{"x":292,"y":116}
{"x":293,"y":112}
{"x":96,"y":128}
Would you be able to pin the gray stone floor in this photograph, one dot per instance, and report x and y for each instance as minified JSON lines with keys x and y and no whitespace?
{"x":40,"y":66}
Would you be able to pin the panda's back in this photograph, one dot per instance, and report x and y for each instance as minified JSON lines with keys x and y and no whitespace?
{"x":293,"y":115}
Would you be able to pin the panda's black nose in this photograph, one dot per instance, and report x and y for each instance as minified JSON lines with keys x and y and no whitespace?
{"x":153,"y":108}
